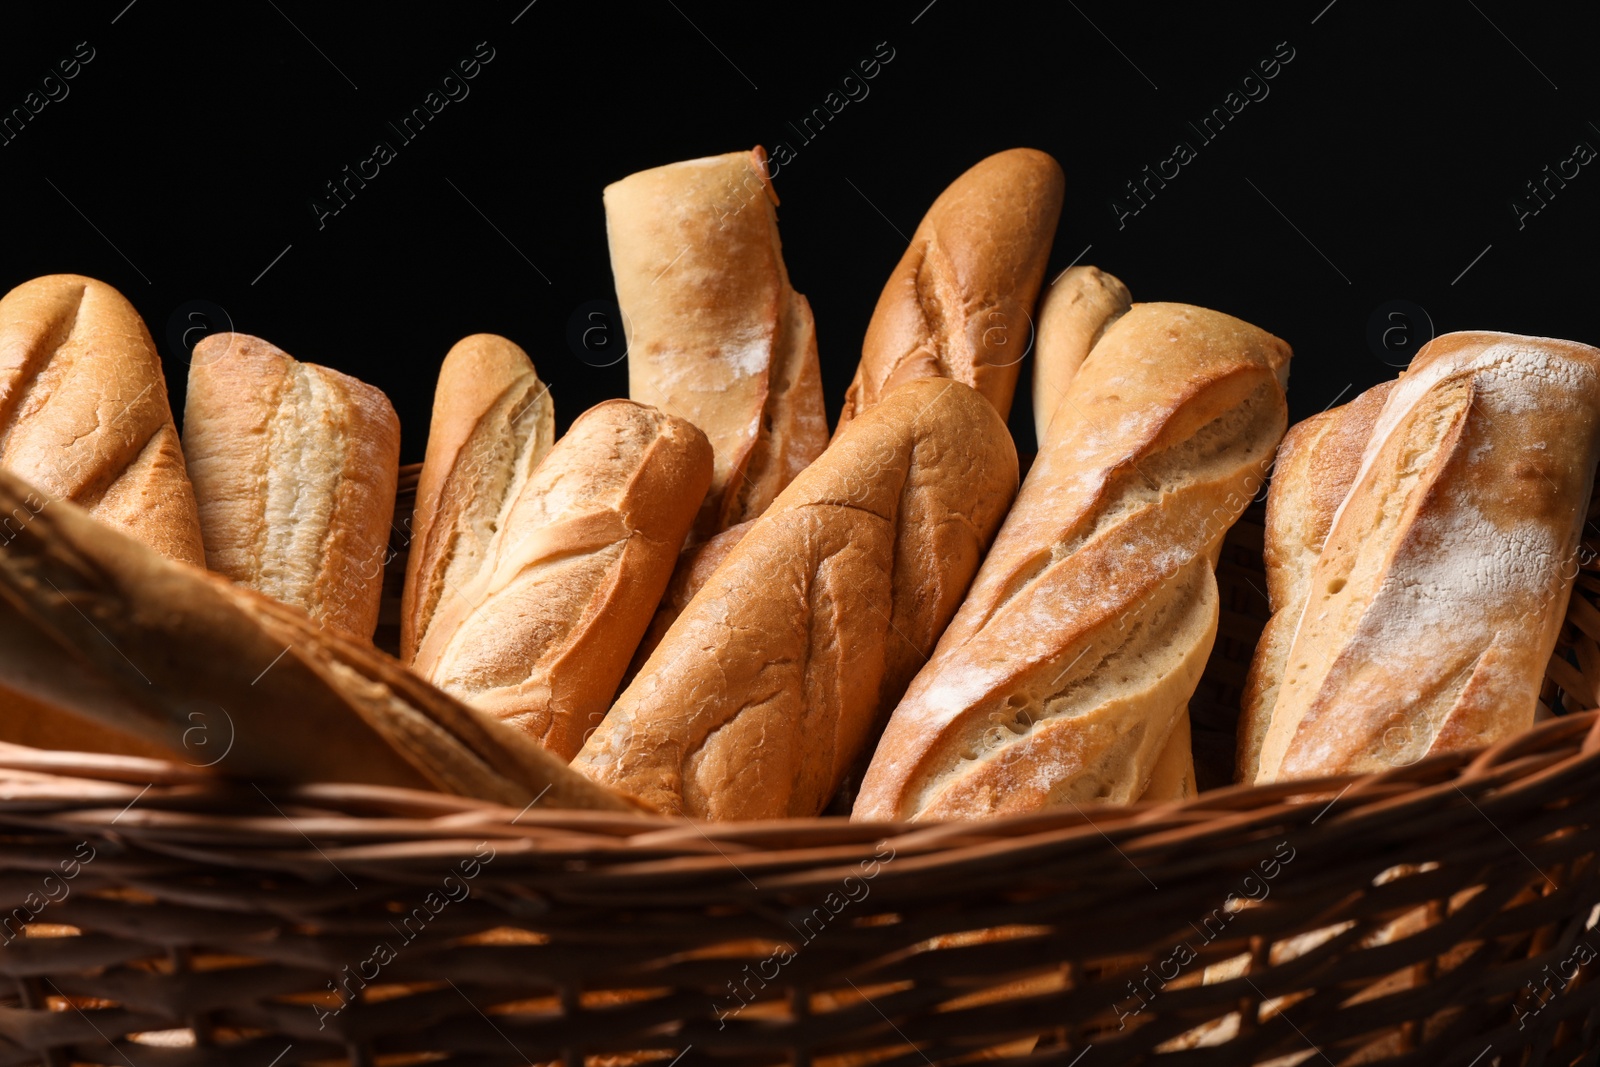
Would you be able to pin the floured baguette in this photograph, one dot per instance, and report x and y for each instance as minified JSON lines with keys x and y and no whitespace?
{"x":959,"y":304}
{"x":222,"y":677}
{"x":716,"y":334}
{"x":294,"y":468}
{"x":1316,"y":464}
{"x":1064,"y":673}
{"x":84,"y":414}
{"x":1076,"y":311}
{"x":780,"y":670}
{"x":1435,"y":604}
{"x":540,"y":632}
{"x":493,"y":421}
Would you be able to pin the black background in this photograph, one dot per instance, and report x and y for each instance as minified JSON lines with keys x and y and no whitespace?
{"x":1384,"y":161}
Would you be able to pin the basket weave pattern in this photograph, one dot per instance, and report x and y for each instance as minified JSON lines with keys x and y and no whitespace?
{"x":1435,"y":914}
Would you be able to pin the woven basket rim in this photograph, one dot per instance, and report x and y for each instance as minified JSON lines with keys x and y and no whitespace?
{"x":144,"y":796}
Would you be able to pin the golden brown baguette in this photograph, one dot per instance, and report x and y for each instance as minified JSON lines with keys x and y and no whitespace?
{"x":716,"y":334}
{"x":959,"y":304}
{"x":1316,"y":464}
{"x":540,"y":634}
{"x":84,"y":417}
{"x":1066,"y":669}
{"x":493,"y":421}
{"x":84,"y":414}
{"x":1076,"y":311}
{"x":95,"y":621}
{"x":294,"y":468}
{"x":780,"y":670}
{"x":1435,"y":604}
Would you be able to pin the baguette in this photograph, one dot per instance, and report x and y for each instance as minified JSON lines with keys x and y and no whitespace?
{"x":1437,"y":599}
{"x":543,"y":628}
{"x":1077,"y":310}
{"x":716,"y":334}
{"x":959,"y":303}
{"x":84,"y":418}
{"x":1074,"y":313}
{"x":780,"y":670}
{"x":84,"y":415}
{"x":1068,"y":666}
{"x":224,"y":678}
{"x":295,"y":468}
{"x":1316,"y":464}
{"x":493,"y":422}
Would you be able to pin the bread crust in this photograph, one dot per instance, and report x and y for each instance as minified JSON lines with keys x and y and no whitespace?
{"x":1076,"y":311}
{"x":780,"y":670}
{"x":1437,"y":599}
{"x":1061,"y":678}
{"x":1172,"y":777}
{"x":84,"y":414}
{"x":295,"y":467}
{"x":959,"y":304}
{"x":716,"y":333}
{"x":84,"y":417}
{"x":493,"y":422}
{"x":696,"y":564}
{"x":539,"y":636}
{"x":224,"y":678}
{"x":1316,"y":464}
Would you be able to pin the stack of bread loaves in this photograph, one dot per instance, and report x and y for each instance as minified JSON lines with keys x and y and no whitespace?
{"x":112,"y":636}
{"x":696,"y":602}
{"x":772,"y":680}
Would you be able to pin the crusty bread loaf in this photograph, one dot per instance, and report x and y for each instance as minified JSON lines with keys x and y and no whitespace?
{"x":493,"y":421}
{"x":716,"y":334}
{"x":294,"y":468}
{"x":1316,"y":464}
{"x":84,"y":418}
{"x":780,"y":670}
{"x":542,"y":630}
{"x":84,"y":414}
{"x":1435,"y":604}
{"x":959,"y":305}
{"x":224,"y":678}
{"x":1076,"y":311}
{"x":1065,"y":671}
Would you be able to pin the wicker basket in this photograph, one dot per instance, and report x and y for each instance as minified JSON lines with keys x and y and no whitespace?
{"x":1436,"y":914}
